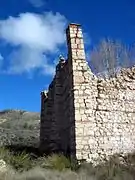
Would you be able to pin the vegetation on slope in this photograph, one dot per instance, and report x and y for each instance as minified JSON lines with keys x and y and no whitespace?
{"x":19,"y":128}
{"x":18,"y":119}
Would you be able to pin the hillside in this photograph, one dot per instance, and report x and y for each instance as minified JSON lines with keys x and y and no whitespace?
{"x":19,"y":128}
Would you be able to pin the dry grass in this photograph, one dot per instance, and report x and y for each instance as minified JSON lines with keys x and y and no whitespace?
{"x":58,"y":167}
{"x":43,"y":174}
{"x":46,"y":174}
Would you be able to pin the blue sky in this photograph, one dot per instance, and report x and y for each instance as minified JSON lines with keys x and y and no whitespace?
{"x":32,"y":37}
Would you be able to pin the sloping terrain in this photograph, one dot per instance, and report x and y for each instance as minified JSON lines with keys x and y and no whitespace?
{"x":19,"y":128}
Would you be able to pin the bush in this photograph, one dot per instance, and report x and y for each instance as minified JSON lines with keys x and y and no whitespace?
{"x":58,"y":162}
{"x":4,"y":153}
{"x":23,"y":161}
{"x":20,"y":161}
{"x":25,"y":125}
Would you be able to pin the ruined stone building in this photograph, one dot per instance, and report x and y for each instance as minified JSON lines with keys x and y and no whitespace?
{"x":83,"y":115}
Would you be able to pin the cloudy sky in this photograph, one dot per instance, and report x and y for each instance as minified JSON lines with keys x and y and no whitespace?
{"x":32,"y":35}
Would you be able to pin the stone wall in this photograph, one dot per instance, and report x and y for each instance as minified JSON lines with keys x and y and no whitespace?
{"x":89,"y":117}
{"x":55,"y":111}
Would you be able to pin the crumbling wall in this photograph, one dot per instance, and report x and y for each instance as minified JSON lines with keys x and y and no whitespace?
{"x":115,"y":113}
{"x":55,"y":111}
{"x":90,"y":117}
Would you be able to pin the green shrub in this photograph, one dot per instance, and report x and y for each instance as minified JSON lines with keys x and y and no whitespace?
{"x":25,"y":125}
{"x":30,"y":127}
{"x":4,"y":154}
{"x":58,"y":162}
{"x":20,"y":161}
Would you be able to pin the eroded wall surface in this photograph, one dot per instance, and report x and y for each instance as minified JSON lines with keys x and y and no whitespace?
{"x":87,"y":116}
{"x":56,"y":111}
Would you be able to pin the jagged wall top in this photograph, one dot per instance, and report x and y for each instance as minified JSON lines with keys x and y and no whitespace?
{"x":76,"y":50}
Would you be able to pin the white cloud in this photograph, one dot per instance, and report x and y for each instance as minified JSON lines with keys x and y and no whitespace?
{"x":27,"y":59}
{"x":33,"y":35}
{"x":38,"y":3}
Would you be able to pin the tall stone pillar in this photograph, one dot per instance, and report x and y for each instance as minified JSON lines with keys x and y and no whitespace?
{"x":75,"y":43}
{"x":83,"y":99}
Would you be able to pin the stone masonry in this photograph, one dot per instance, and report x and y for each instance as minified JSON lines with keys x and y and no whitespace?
{"x":83,"y":115}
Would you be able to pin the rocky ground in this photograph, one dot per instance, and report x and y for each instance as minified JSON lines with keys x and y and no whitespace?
{"x":19,"y":128}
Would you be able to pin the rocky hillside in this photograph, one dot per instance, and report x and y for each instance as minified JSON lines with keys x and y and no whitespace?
{"x":19,"y":128}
